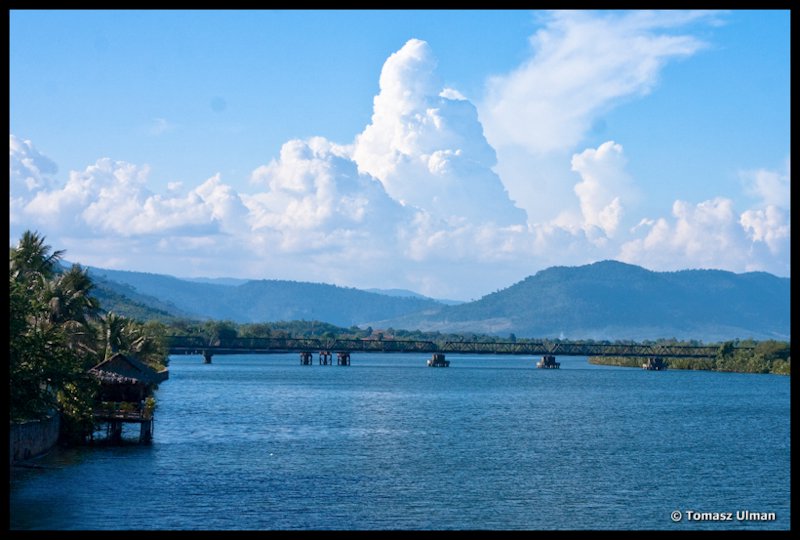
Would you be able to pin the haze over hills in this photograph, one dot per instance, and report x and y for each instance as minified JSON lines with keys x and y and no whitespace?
{"x":265,"y":300}
{"x":606,"y":300}
{"x":405,"y":293}
{"x":125,"y":300}
{"x":217,"y":281}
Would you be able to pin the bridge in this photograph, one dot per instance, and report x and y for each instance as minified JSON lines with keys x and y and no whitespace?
{"x":343,"y":348}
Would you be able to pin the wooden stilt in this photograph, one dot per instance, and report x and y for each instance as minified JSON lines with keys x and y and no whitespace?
{"x":146,"y":431}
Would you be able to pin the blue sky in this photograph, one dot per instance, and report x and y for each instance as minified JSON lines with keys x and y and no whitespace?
{"x":448,"y":152}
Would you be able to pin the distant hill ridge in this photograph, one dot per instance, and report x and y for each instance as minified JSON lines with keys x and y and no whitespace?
{"x":266,"y":300}
{"x":615,"y":300}
{"x":603,"y":300}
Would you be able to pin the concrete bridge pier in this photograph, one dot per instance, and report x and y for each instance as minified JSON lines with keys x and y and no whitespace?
{"x":306,"y":358}
{"x":437,"y":360}
{"x":207,"y":357}
{"x":343,"y":358}
{"x":654,"y":364}
{"x":325,"y":358}
{"x":548,"y":361}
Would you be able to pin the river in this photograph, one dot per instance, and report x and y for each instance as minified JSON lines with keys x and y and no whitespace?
{"x":491,"y":443}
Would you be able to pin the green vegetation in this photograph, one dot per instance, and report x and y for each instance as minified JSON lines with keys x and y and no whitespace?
{"x":58,"y":331}
{"x":213,"y":330}
{"x":609,"y":299}
{"x":604,"y":300}
{"x":124,"y":300}
{"x":252,"y":301}
{"x":764,"y":357}
{"x":745,"y":356}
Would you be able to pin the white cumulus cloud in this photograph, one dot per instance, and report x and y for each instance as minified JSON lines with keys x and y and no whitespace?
{"x":706,"y":235}
{"x":315,"y":197}
{"x":580,"y":66}
{"x":604,"y":186}
{"x":768,"y":222}
{"x":112,"y":197}
{"x":770,"y":225}
{"x":29,"y":169}
{"x":426,"y":144}
{"x":712,"y":234}
{"x":28,"y":172}
{"x":771,"y":188}
{"x":416,"y":200}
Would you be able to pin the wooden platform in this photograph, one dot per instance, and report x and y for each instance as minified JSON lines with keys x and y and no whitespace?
{"x":115,"y":416}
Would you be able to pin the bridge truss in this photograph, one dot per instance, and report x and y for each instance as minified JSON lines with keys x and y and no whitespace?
{"x":199,"y":345}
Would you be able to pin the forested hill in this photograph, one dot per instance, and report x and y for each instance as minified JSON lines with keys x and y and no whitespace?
{"x":263,"y":300}
{"x":124,"y":300}
{"x":614,"y":300}
{"x":606,"y":300}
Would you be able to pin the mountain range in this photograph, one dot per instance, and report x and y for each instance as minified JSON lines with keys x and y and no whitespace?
{"x":607,"y":300}
{"x":614,"y":300}
{"x":252,"y":301}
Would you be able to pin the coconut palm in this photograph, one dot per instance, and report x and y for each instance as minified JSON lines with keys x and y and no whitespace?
{"x":51,"y":338}
{"x":74,"y":299}
{"x":127,"y":336}
{"x":32,"y":256}
{"x":113,"y":332}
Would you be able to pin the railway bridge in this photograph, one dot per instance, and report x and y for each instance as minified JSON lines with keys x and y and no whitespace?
{"x":325,"y":348}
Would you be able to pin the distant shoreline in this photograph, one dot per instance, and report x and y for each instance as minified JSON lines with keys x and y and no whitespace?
{"x":752,"y":366}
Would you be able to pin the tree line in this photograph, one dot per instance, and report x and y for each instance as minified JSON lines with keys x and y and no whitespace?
{"x":744,"y":356}
{"x":58,"y":332}
{"x":741,"y":356}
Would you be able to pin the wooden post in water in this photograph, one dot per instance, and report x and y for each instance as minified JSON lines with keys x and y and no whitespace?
{"x":146,"y":431}
{"x":116,"y":431}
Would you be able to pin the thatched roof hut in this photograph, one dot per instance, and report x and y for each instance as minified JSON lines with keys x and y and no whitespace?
{"x":124,"y":378}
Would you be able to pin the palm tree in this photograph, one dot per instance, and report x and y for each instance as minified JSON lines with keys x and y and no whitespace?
{"x":69,"y":308}
{"x":32,"y":256}
{"x":130,"y":337}
{"x":70,"y":297}
{"x":114,"y":333}
{"x":51,"y":338}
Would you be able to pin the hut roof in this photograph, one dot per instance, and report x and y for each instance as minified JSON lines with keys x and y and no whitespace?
{"x":122,"y":369}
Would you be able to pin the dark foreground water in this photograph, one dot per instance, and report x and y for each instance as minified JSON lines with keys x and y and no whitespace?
{"x":261,"y":442}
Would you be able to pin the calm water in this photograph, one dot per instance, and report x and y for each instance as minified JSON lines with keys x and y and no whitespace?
{"x":261,"y":442}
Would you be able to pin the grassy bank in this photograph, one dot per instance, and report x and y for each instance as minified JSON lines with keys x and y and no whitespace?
{"x":766,"y":357}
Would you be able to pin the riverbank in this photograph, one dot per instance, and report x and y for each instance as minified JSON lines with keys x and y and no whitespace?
{"x":752,"y":365}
